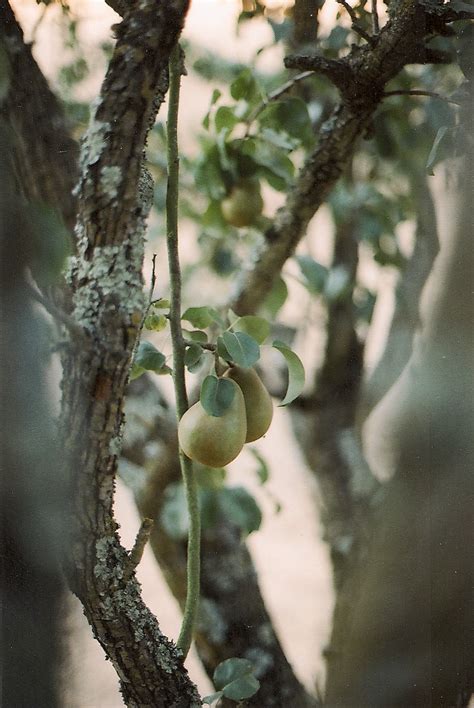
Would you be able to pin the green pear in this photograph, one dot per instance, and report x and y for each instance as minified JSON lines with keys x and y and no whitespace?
{"x":214,"y":441}
{"x":258,"y":403}
{"x":244,"y":204}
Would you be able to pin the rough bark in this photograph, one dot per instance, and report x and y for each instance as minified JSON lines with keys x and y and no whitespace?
{"x":233,"y":619}
{"x":114,"y":197}
{"x":360,"y":78}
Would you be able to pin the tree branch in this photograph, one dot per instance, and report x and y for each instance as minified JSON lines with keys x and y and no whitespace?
{"x":361,"y":78}
{"x":114,"y":197}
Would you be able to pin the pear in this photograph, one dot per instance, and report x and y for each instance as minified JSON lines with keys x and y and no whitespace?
{"x":214,"y":441}
{"x":244,"y":204}
{"x":258,"y":403}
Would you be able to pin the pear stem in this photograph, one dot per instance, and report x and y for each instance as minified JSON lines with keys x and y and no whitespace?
{"x":189,"y":479}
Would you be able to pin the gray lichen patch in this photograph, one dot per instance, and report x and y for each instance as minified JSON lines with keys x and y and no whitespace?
{"x":110,"y":179}
{"x":94,"y":142}
{"x":111,"y":281}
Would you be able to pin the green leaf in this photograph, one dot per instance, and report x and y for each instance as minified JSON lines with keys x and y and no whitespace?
{"x":276,"y":297}
{"x":239,"y":506}
{"x":235,"y":678}
{"x":313,"y":272}
{"x":216,"y":395}
{"x":193,"y":356}
{"x":290,"y":116}
{"x":243,"y":348}
{"x":245,"y":86}
{"x":210,"y":477}
{"x":337,"y":284}
{"x":174,"y":516}
{"x":433,"y":156}
{"x":296,"y":375}
{"x":208,"y":174}
{"x":262,"y":471}
{"x":278,"y":139}
{"x":208,"y":700}
{"x":200,"y":317}
{"x":256,"y":327}
{"x":136,"y":371}
{"x":225,"y":119}
{"x":271,"y":158}
{"x":161,"y":304}
{"x":148,"y":357}
{"x":222,"y":349}
{"x":196,"y":335}
{"x":155,"y":323}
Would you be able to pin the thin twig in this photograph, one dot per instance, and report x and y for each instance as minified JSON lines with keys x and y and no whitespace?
{"x":275,"y":95}
{"x":56,"y":313}
{"x":417,"y":92}
{"x":189,"y":479}
{"x":375,"y":18}
{"x":141,"y":540}
{"x":355,"y":25}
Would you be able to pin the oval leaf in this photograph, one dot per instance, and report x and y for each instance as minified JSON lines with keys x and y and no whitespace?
{"x":256,"y":327}
{"x":239,"y":506}
{"x":216,"y":395}
{"x":148,"y":357}
{"x":192,"y":355}
{"x":313,"y":272}
{"x":243,"y":348}
{"x":200,"y":317}
{"x":230,"y":670}
{"x":241,"y":688}
{"x":295,"y":372}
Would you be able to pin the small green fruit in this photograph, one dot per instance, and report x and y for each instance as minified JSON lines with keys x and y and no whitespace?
{"x":258,"y":403}
{"x":243,"y":205}
{"x":210,"y":440}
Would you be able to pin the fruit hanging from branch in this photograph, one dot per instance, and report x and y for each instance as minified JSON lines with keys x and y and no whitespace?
{"x":258,"y":403}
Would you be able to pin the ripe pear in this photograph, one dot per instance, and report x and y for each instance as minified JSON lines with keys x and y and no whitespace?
{"x":244,"y":204}
{"x":214,"y":441}
{"x":258,"y":403}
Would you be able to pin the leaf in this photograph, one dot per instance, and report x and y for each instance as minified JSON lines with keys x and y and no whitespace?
{"x":209,"y":477}
{"x":271,"y":158}
{"x":216,"y":395}
{"x":313,"y":272}
{"x":243,"y":348}
{"x":161,"y":303}
{"x":208,"y":700}
{"x":433,"y":156}
{"x":276,"y":297}
{"x":296,"y":375}
{"x":256,"y":327}
{"x":155,"y":323}
{"x":235,"y":678}
{"x":136,"y":371}
{"x":225,"y":119}
{"x":262,"y":471}
{"x":239,"y":506}
{"x":192,"y":356}
{"x":174,"y":516}
{"x":278,"y":139}
{"x":245,"y":86}
{"x":200,"y":317}
{"x":196,"y":335}
{"x":290,"y":116}
{"x":337,"y":283}
{"x":148,"y":357}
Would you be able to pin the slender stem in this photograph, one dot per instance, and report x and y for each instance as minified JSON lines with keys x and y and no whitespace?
{"x":355,"y":25}
{"x":418,"y":92}
{"x":189,"y":479}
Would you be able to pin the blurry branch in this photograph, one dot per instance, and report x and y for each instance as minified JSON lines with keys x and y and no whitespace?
{"x":416,"y":92}
{"x":405,"y":320}
{"x":361,"y":78}
{"x":406,"y":637}
{"x":45,"y":155}
{"x":233,"y":620}
{"x":114,"y":196}
{"x":33,"y":532}
{"x":324,"y":422}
